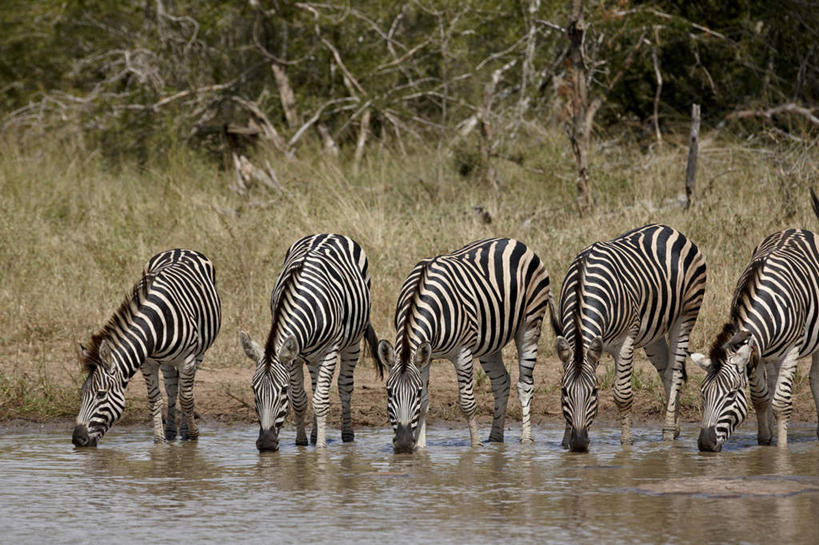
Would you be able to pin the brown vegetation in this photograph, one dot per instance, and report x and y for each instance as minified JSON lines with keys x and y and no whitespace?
{"x":75,"y":234}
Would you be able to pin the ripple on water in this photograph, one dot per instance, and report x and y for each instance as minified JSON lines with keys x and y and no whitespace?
{"x":220,"y":488}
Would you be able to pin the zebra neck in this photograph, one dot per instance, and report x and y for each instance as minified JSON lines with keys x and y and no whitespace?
{"x":129,"y":349}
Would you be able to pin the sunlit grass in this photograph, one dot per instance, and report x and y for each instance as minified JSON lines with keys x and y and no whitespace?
{"x":75,"y":232}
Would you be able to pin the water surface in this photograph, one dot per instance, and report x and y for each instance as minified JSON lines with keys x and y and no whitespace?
{"x":221,"y":490}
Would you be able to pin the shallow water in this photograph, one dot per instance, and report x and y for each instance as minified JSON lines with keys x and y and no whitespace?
{"x":220,"y":489}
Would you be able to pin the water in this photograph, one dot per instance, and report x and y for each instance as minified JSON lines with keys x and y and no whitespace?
{"x":221,"y":490}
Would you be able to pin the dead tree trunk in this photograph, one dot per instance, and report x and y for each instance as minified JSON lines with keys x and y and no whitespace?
{"x":288,"y":97}
{"x":693,"y":150}
{"x":363,"y":133}
{"x":579,"y":129}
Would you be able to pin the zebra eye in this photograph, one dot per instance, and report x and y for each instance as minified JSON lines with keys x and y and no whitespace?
{"x":101,"y":394}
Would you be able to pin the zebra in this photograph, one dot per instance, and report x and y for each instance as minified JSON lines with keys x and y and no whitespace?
{"x":774,"y":321}
{"x":642,"y":289}
{"x":170,"y":318}
{"x":463,"y":305}
{"x":320,"y":309}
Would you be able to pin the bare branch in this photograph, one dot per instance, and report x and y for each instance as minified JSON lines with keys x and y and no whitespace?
{"x":792,"y":108}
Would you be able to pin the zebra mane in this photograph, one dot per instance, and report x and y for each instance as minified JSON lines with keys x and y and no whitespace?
{"x":718,"y":353}
{"x":282,"y":285}
{"x":124,"y":314}
{"x":745,"y":285}
{"x":406,"y":349}
{"x":580,"y":264}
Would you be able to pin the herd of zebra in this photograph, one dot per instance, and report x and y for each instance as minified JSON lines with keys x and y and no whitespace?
{"x":642,"y":289}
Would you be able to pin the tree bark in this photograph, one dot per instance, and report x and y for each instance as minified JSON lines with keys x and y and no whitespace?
{"x":363,"y":134}
{"x":579,"y":129}
{"x":288,"y":97}
{"x":693,"y":151}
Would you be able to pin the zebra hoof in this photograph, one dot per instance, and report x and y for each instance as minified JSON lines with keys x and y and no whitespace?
{"x":301,"y":441}
{"x":495,"y":437}
{"x":313,"y":437}
{"x":347,"y":436}
{"x":766,"y":441}
{"x":669,"y":435}
{"x":170,"y":434}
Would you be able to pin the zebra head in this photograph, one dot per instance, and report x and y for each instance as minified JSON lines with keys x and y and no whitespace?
{"x":270,"y":382}
{"x":578,"y":397}
{"x":102,"y":395}
{"x":724,"y":403}
{"x":405,"y":392}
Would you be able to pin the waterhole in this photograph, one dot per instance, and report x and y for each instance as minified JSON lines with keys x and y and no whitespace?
{"x":221,"y":490}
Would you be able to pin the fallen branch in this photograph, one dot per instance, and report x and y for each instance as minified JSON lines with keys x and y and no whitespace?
{"x":790,"y":107}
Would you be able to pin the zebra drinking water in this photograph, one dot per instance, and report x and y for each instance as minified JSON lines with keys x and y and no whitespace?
{"x":774,"y":322}
{"x":170,"y":319}
{"x":641,"y":290}
{"x":320,"y":309}
{"x":464,"y":305}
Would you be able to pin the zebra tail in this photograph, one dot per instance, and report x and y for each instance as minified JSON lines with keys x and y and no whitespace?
{"x":815,"y":202}
{"x":553,"y":316}
{"x":372,"y":344}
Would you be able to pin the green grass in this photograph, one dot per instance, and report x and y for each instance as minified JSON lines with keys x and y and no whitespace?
{"x":75,"y":232}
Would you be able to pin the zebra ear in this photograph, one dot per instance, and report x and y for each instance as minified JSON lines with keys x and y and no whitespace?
{"x":701,"y":360}
{"x":386,"y":353}
{"x":743,"y":355}
{"x":422,"y":355}
{"x":740,"y":338}
{"x":563,"y":349}
{"x":289,"y":350}
{"x":251,"y":347}
{"x":595,"y":350}
{"x":105,"y":354}
{"x":82,"y":352}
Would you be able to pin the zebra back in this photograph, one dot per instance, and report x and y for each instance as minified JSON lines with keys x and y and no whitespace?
{"x":475,"y":297}
{"x":639,"y":284}
{"x":321,"y":296}
{"x":174,"y":301}
{"x":776,"y":298}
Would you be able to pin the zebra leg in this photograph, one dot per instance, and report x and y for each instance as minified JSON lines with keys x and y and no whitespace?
{"x":466,"y":393}
{"x":658,"y":354}
{"x":761,"y":400}
{"x":150,"y":370}
{"x":526,"y":343}
{"x":298,"y":400}
{"x":814,"y":383}
{"x":499,"y":377}
{"x":321,"y":396}
{"x":623,"y":396}
{"x":186,"y":380}
{"x":675,"y":373}
{"x":421,"y":434}
{"x":314,"y":373}
{"x":170,"y":375}
{"x":782,"y":401}
{"x":349,"y":359}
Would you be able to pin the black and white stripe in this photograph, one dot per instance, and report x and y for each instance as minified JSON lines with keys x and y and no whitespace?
{"x":774,"y":322}
{"x":320,"y":310}
{"x":170,"y":319}
{"x":641,"y":290}
{"x":464,"y":305}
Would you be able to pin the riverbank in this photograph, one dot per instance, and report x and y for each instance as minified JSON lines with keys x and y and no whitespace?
{"x":75,"y":233}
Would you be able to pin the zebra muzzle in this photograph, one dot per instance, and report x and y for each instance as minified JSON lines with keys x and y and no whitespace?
{"x":707,"y":441}
{"x":579,"y":440}
{"x":404,"y":441}
{"x":268,"y":441}
{"x":80,"y":437}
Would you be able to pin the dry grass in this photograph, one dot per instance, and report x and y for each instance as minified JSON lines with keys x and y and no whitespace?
{"x":74,"y":234}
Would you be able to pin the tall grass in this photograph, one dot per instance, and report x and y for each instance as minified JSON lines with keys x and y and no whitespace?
{"x":75,"y":232}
